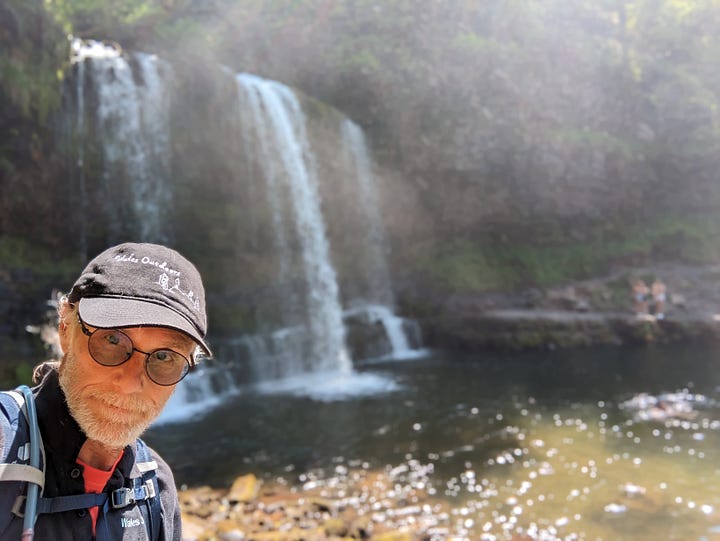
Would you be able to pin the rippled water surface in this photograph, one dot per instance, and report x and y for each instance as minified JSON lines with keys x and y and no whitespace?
{"x":608,"y":444}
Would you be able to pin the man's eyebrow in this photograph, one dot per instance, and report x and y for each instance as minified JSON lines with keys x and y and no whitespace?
{"x":178,"y":343}
{"x":174,"y":340}
{"x":182,"y":342}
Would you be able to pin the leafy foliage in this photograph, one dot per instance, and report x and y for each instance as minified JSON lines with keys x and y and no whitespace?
{"x":503,"y":113}
{"x":33,"y":55}
{"x":477,"y":267}
{"x":439,"y":84}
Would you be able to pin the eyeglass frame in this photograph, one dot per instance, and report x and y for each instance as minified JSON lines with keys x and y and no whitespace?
{"x":87,"y":332}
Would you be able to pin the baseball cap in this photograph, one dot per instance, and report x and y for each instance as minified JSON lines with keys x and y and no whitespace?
{"x":142,"y":284}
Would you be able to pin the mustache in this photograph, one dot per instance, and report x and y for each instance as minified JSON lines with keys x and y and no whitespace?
{"x":133,"y":403}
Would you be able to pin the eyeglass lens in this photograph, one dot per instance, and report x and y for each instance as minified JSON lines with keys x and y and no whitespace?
{"x":111,"y":347}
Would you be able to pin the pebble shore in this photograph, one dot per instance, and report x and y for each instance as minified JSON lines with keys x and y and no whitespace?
{"x":385,"y":505}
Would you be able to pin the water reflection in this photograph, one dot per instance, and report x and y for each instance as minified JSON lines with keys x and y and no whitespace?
{"x":587,"y":473}
{"x":541,"y":446}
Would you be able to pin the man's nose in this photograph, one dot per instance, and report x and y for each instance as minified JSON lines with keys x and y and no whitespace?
{"x":131,"y":374}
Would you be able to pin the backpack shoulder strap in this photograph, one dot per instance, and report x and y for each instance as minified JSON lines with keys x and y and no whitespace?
{"x":22,"y":472}
{"x":17,"y":397}
{"x":19,"y":470}
{"x":146,"y":466}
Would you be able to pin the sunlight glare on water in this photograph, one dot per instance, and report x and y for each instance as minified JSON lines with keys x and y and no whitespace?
{"x":608,"y":445}
{"x":587,"y":473}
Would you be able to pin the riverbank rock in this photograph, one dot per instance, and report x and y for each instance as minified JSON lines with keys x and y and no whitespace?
{"x":367,"y":505}
{"x":244,"y":489}
{"x":532,"y":329}
{"x":593,"y":312}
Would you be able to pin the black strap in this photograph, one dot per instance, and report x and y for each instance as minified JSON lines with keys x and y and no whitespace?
{"x":119,"y":498}
{"x":60,"y":504}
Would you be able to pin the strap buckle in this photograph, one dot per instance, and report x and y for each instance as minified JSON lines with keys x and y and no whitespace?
{"x":18,"y":508}
{"x":122,"y":497}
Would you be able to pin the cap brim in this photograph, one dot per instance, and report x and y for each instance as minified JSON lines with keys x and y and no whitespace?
{"x":110,"y":312}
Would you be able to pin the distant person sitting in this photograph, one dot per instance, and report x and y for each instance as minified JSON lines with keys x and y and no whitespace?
{"x":659,"y":295}
{"x":640,"y":296}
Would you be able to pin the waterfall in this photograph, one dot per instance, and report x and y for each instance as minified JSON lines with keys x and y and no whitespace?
{"x":313,"y":337}
{"x":307,"y":335}
{"x":376,"y":303}
{"x":378,"y":288}
{"x":132,"y":122}
{"x":306,"y":309}
{"x":79,"y":136}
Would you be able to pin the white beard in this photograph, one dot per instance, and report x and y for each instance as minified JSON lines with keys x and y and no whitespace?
{"x":104,"y":414}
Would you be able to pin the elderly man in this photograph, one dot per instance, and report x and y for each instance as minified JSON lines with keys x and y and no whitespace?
{"x":131,"y":328}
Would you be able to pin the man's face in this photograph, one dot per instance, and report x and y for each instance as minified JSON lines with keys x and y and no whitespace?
{"x":115,"y":404}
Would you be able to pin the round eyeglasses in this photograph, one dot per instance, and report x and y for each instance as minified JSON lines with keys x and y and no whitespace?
{"x":112,"y":347}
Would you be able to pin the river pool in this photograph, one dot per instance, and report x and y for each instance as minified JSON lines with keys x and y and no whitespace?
{"x":602,"y":444}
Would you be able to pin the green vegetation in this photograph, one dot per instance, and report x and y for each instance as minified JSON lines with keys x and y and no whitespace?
{"x":493,"y":117}
{"x":480,"y":267}
{"x":14,"y":373}
{"x":226,"y":320}
{"x":20,"y":254}
{"x":31,"y":272}
{"x":23,"y":374}
{"x":34,"y":52}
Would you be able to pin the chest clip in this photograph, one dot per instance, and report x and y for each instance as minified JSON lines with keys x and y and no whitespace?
{"x":122,"y":497}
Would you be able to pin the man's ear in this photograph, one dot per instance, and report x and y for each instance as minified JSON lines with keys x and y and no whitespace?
{"x":63,"y":333}
{"x":65,"y":312}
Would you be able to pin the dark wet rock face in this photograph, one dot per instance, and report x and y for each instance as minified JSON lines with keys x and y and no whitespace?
{"x":593,"y":312}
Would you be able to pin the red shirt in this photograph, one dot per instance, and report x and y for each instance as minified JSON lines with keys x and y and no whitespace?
{"x":95,"y":481}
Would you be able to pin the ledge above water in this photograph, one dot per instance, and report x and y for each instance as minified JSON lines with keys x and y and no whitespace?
{"x":530,"y":328}
{"x":575,"y":315}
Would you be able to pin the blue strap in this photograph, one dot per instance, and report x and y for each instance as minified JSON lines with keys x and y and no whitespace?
{"x":119,"y":498}
{"x":152,"y":510}
{"x":102,"y":530}
{"x":69,"y":503}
